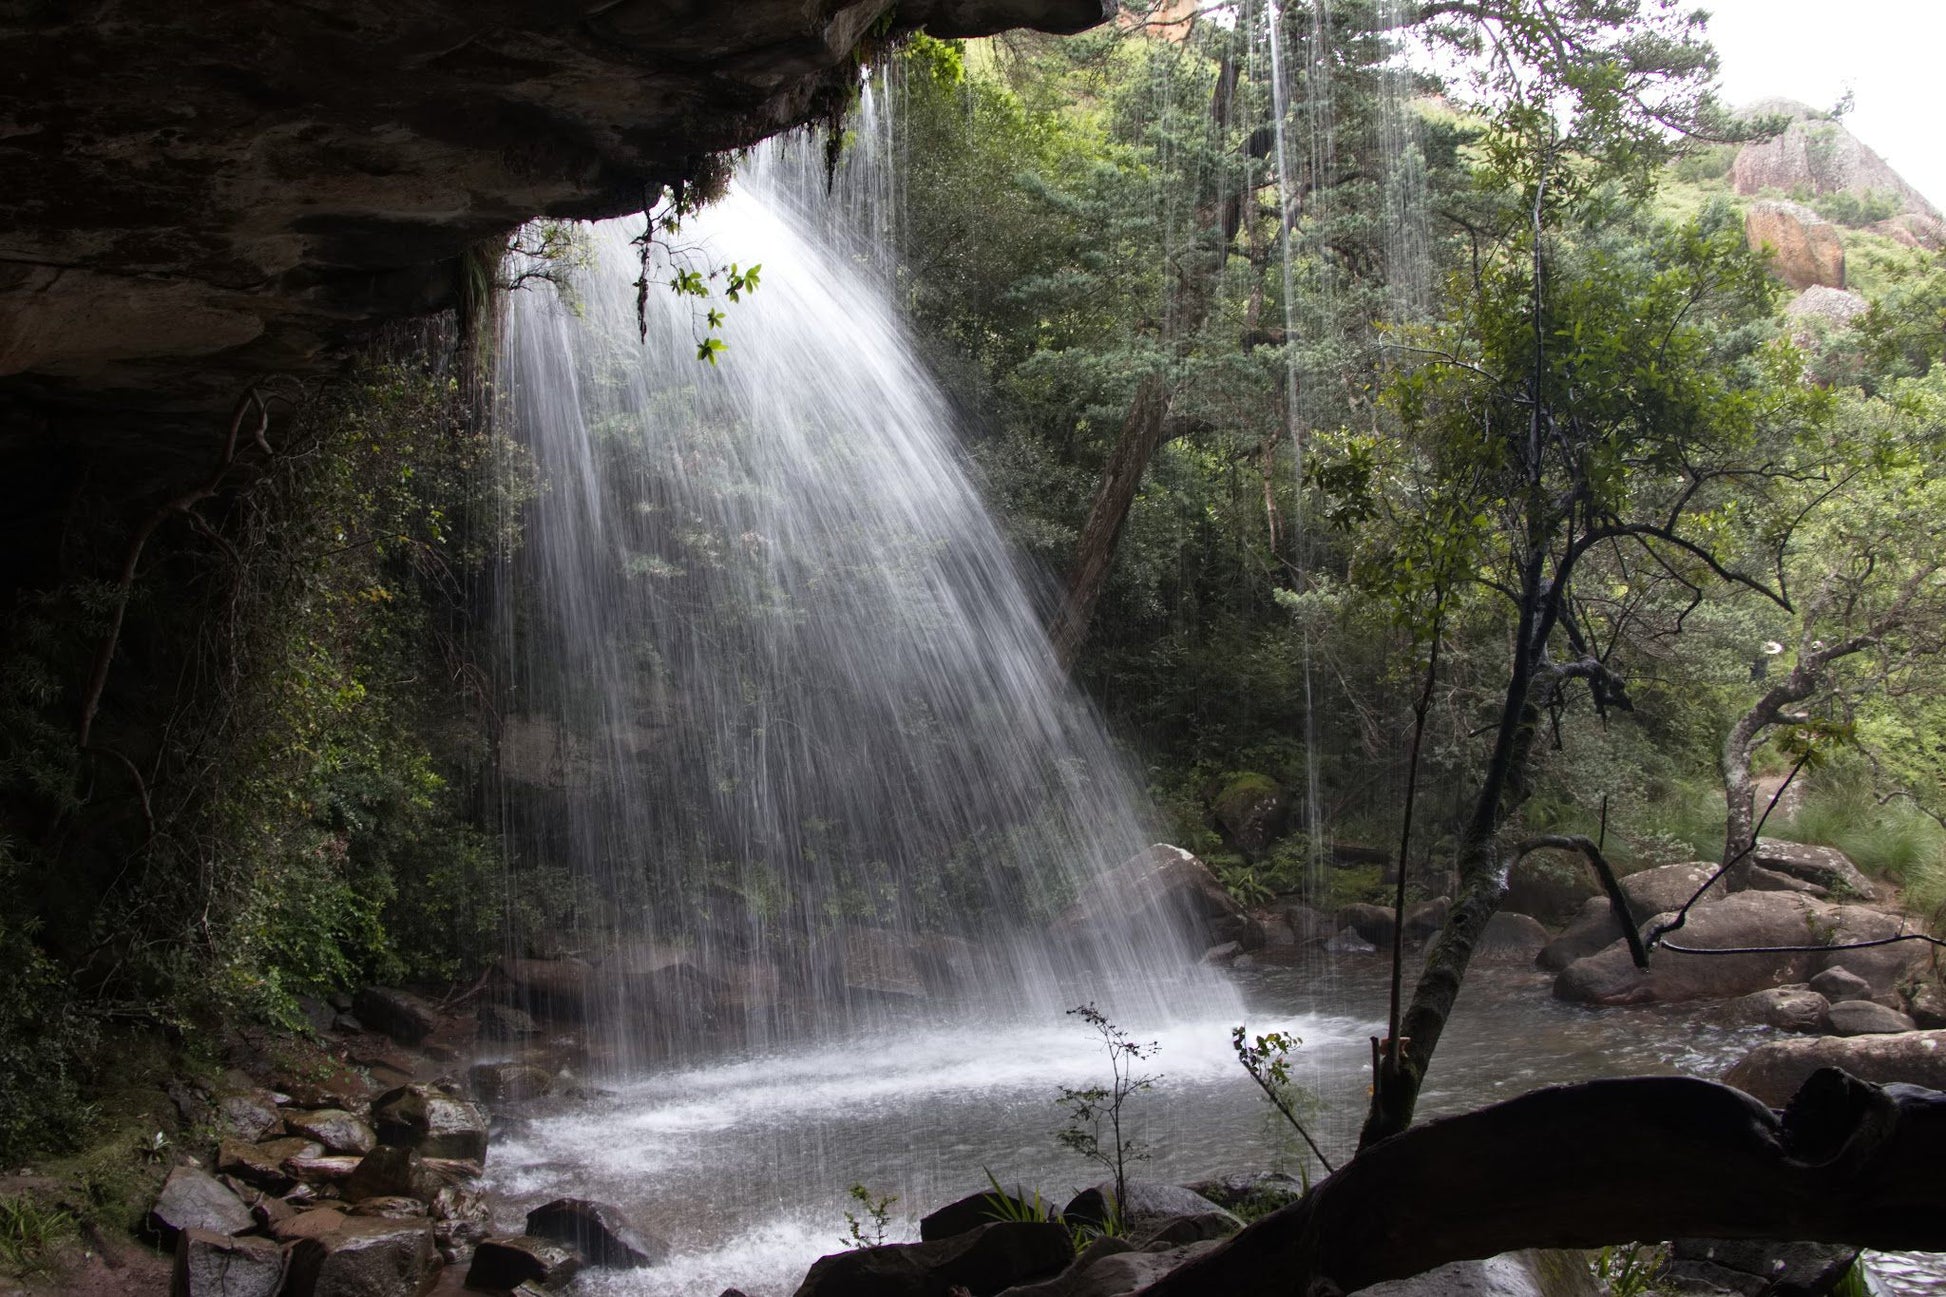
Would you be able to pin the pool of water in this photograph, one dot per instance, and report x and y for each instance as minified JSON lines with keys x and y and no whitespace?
{"x":743,"y":1165}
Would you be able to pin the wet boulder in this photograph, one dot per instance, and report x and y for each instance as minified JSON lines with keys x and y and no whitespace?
{"x":509,"y":1081}
{"x":558,"y":989}
{"x":1550,"y":886}
{"x":1649,"y":892}
{"x":1743,"y":920}
{"x":433,"y":1122}
{"x":1926,"y":1002}
{"x":504,"y":1022}
{"x":194,"y":1199}
{"x":1259,"y":1193}
{"x":983,"y":1261}
{"x":1372,"y":922}
{"x":399,"y":1014}
{"x":879,"y":964}
{"x":1755,"y":1267}
{"x":388,"y":1171}
{"x":1531,"y":1273}
{"x":363,"y":1257}
{"x":501,"y":1264}
{"x":217,"y":1265}
{"x":393,"y":1208}
{"x":248,"y":1116}
{"x":1884,"y":969}
{"x":1777,"y":1069}
{"x":1511,"y":939}
{"x":1787,"y":1008}
{"x":1840,"y":983}
{"x":1251,"y":809}
{"x":336,"y":1129}
{"x":1864,"y":1018}
{"x":1425,"y":919}
{"x":597,"y":1233}
{"x":462,"y":1218}
{"x":1109,"y":1267}
{"x":1145,"y":1205}
{"x":976,"y":1209}
{"x":1827,"y":867}
{"x":1164,"y":887}
{"x":261,"y":1166}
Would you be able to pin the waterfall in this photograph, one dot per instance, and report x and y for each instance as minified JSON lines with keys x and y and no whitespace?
{"x":779,"y":704}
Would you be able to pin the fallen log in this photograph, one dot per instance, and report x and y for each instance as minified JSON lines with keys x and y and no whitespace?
{"x":1603,"y":1162}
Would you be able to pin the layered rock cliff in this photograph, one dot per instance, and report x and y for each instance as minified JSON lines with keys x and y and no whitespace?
{"x":195,"y":195}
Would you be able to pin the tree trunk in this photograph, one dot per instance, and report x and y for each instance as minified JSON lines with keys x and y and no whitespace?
{"x":1095,"y":552}
{"x":1612,"y":1162}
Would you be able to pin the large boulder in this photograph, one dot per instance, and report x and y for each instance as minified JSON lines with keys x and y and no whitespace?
{"x":1648,"y":892}
{"x":977,"y":1209}
{"x":1372,"y":922}
{"x":1787,"y":1008}
{"x":1532,"y":1273}
{"x":596,"y":1232}
{"x":1804,"y":248}
{"x":261,"y":1166}
{"x":1828,"y":867}
{"x":503,"y":1264}
{"x":1145,"y":1204}
{"x":1758,"y":1267}
{"x":879,"y":964}
{"x":983,"y":1261}
{"x":336,"y":1129}
{"x":560,"y":990}
{"x":1743,"y":920}
{"x":1863,"y":1018}
{"x":1251,"y":809}
{"x":1883,"y":969}
{"x":192,"y":1198}
{"x":1775,"y":1070}
{"x":1511,"y":939}
{"x":1163,"y":887}
{"x":1550,"y":886}
{"x":399,"y":1014}
{"x":217,"y":1265}
{"x":363,"y":1257}
{"x":431,"y":1121}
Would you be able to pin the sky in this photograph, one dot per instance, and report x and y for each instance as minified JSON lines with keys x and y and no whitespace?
{"x":1891,"y":54}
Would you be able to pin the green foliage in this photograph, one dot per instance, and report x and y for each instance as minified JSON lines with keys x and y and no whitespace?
{"x":1848,"y":208}
{"x":47,"y":1036}
{"x":867,"y":1230}
{"x":1267,"y":1058}
{"x":1628,"y":1270}
{"x":29,"y":1232}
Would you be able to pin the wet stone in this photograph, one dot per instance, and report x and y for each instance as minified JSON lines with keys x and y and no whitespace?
{"x":598,"y":1232}
{"x":217,"y":1265}
{"x":336,"y":1129}
{"x":195,"y":1199}
{"x":503,"y":1263}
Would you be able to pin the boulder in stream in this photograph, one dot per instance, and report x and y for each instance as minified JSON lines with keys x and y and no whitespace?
{"x":1864,"y":1018}
{"x":597,"y":1232}
{"x":1740,"y":921}
{"x":1777,"y":1069}
{"x":1163,"y":886}
{"x":433,"y":1122}
{"x":1787,"y":1008}
{"x":983,"y":1261}
{"x":502,"y":1264}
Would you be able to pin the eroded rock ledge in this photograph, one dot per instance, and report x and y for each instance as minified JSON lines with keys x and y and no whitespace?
{"x":194,"y":195}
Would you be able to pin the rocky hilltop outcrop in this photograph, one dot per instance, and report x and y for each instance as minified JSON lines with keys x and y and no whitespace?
{"x":191,"y":196}
{"x":1816,"y":155}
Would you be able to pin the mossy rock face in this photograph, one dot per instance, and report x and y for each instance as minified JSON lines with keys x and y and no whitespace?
{"x":1252,"y":809}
